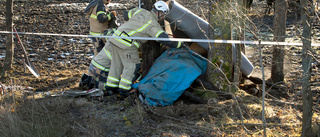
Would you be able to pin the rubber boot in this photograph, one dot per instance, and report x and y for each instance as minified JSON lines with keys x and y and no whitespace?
{"x":93,"y":84}
{"x":85,"y":81}
{"x":114,"y":90}
{"x":125,"y":93}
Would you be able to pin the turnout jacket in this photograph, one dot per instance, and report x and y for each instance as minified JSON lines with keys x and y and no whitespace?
{"x":141,"y":23}
{"x":99,"y":17}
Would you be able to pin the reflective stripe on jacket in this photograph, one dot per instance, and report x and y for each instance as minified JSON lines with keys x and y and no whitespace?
{"x":143,"y":23}
{"x":97,"y":28}
{"x":133,"y":12}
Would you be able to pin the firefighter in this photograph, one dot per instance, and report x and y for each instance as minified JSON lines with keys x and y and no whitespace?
{"x":97,"y":74}
{"x":100,"y":20}
{"x":125,"y":55}
{"x":96,"y":77}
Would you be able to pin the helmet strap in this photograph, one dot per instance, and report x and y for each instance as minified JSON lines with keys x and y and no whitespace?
{"x":157,"y":12}
{"x":160,"y":14}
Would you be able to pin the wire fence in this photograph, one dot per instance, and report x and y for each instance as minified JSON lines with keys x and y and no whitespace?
{"x":55,"y":33}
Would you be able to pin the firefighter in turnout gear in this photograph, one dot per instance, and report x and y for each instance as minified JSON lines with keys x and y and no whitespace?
{"x":97,"y":74}
{"x":100,"y":20}
{"x":125,"y":55}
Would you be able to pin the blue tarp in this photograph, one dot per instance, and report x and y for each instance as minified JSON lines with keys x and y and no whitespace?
{"x":172,"y":73}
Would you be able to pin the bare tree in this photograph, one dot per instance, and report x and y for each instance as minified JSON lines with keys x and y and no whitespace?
{"x":306,"y":13}
{"x":279,"y":31}
{"x":243,"y":8}
{"x":220,"y":19}
{"x":150,"y":50}
{"x":10,"y":48}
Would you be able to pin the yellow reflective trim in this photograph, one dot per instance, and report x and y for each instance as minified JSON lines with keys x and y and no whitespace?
{"x":144,"y":26}
{"x":158,"y":33}
{"x":124,"y":87}
{"x":179,"y":44}
{"x":133,"y":32}
{"x":113,"y":79}
{"x":109,"y":32}
{"x":141,"y":28}
{"x":126,"y":81}
{"x":107,"y":53}
{"x":136,"y":44}
{"x":117,"y":33}
{"x":123,"y":42}
{"x":129,"y":13}
{"x":112,"y":85}
{"x":137,"y":12}
{"x":93,"y":16}
{"x":99,"y":66}
{"x":101,"y":12}
{"x":94,"y":33}
{"x":104,"y":86}
{"x":109,"y":16}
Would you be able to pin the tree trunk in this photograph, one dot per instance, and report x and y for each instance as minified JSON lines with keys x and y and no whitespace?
{"x":279,"y":32}
{"x":306,"y":66}
{"x":244,"y":6}
{"x":239,"y":34}
{"x":150,"y":50}
{"x":10,"y":48}
{"x":220,"y":53}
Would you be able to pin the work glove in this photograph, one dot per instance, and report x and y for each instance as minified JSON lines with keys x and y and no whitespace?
{"x":113,"y":14}
{"x":105,"y":32}
{"x":113,"y":22}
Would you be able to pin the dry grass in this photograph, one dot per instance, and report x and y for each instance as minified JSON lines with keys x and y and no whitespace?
{"x":32,"y":116}
{"x":39,"y":115}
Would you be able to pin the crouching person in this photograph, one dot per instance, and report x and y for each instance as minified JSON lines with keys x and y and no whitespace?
{"x":99,"y":68}
{"x":125,"y":55}
{"x":98,"y":71}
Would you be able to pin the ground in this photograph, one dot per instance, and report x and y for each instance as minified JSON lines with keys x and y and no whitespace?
{"x":61,"y":60}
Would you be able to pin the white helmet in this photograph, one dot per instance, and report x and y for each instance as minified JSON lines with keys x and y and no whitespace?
{"x":162,"y":6}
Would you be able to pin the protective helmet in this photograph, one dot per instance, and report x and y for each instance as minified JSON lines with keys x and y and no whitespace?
{"x":161,"y":6}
